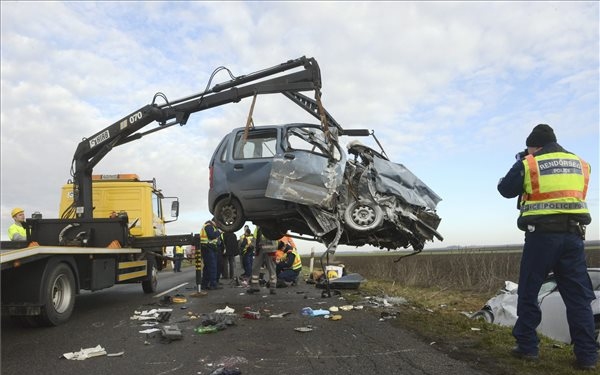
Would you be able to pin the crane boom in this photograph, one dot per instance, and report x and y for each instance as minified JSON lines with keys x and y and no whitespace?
{"x":91,"y":150}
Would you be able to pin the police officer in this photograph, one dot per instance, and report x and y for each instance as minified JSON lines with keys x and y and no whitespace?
{"x":209,"y":237}
{"x":177,"y":258}
{"x":552,"y":184}
{"x":16,"y":232}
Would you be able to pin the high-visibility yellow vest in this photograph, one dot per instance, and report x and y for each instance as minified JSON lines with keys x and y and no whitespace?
{"x":16,"y":229}
{"x":555,"y":183}
{"x":297,"y":261}
{"x":204,"y":237}
{"x":178,"y":250}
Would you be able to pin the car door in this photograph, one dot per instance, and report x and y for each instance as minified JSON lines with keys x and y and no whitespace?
{"x":248,"y":168}
{"x":307,"y":170}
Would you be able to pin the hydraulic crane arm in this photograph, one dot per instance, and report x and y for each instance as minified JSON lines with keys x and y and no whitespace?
{"x":91,"y":150}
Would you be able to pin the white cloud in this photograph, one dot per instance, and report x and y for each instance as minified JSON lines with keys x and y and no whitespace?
{"x":436,"y":81}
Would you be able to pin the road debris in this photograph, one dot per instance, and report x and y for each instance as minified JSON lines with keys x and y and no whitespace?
{"x":85,"y":353}
{"x":226,"y":310}
{"x":303,"y":329}
{"x":171,"y":332}
{"x":280,"y":315}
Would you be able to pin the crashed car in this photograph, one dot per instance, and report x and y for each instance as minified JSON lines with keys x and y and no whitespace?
{"x":502,"y":309}
{"x":298,"y":178}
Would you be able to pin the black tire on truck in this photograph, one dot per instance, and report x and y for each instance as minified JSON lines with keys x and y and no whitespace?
{"x":58,"y":295}
{"x":150,"y":285}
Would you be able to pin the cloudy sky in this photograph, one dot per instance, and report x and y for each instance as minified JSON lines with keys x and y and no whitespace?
{"x":452,"y":89}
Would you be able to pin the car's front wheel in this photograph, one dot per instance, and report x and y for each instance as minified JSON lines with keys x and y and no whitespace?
{"x":229,"y":216}
{"x":363,"y":216}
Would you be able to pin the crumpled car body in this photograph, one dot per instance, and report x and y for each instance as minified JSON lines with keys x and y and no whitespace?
{"x":502,"y":309}
{"x":298,"y":178}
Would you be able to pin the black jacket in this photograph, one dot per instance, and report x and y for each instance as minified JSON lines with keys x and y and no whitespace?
{"x":231,"y":244}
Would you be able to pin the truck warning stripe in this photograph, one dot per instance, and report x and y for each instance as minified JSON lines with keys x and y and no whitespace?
{"x":12,"y":255}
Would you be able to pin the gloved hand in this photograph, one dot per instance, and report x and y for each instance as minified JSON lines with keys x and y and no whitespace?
{"x":521,"y":155}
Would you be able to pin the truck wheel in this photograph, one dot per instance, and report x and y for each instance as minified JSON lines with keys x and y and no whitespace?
{"x":228,"y":215}
{"x":150,"y":285}
{"x":58,"y":296}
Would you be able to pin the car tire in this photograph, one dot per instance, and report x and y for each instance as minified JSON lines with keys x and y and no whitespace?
{"x":229,"y":216}
{"x":58,"y":295}
{"x":363,"y":216}
{"x":484,"y":315}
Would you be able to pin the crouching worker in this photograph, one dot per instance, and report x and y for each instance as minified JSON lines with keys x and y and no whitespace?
{"x":289,"y":266}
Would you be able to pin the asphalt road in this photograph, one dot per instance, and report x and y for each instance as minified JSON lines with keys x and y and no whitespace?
{"x":359,"y":343}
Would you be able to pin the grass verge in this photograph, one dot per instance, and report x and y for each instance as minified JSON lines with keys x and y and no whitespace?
{"x":438,"y":317}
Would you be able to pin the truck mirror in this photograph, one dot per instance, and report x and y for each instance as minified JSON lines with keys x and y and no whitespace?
{"x":175,"y":209}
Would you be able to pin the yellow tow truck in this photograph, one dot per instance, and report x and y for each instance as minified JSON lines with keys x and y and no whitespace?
{"x":87,"y":248}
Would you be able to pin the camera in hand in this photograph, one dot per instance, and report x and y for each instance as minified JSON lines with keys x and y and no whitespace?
{"x":521,"y":155}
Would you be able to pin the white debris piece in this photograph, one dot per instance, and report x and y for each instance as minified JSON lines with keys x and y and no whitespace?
{"x":226,"y":310}
{"x":150,"y":330}
{"x":85,"y":353}
{"x":148,"y":314}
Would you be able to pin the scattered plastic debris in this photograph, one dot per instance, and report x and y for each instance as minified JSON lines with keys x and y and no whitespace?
{"x":150,"y":330}
{"x":179,"y":298}
{"x":119,"y":354}
{"x":226,"y":310}
{"x":307,"y":311}
{"x":280,"y":315}
{"x":205,"y":329}
{"x":85,"y":353}
{"x":154,"y":314}
{"x":171,"y":332}
{"x":335,"y":317}
{"x":303,"y":329}
{"x":251,"y":315}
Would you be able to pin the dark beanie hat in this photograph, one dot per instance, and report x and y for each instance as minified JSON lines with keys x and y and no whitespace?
{"x":540,"y":136}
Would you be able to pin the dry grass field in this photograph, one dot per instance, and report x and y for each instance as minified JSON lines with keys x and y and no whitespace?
{"x":468,"y":270}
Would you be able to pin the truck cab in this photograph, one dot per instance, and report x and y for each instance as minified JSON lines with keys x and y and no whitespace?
{"x":116,"y":194}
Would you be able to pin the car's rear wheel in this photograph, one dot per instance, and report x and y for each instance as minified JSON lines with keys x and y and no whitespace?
{"x":229,"y":216}
{"x":363,"y":216}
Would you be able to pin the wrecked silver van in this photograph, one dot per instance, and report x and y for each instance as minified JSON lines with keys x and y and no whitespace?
{"x":298,"y":178}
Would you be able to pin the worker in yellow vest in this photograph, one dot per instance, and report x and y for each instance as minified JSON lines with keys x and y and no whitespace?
{"x":16,"y":232}
{"x":290,"y":265}
{"x":552,"y":183}
{"x":209,"y":238}
{"x":177,"y":258}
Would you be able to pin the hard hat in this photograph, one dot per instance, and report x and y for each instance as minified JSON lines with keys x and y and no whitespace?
{"x":16,"y":211}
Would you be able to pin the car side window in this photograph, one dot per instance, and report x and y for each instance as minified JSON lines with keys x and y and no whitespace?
{"x":224,"y":150}
{"x":259,"y":144}
{"x":308,"y":139}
